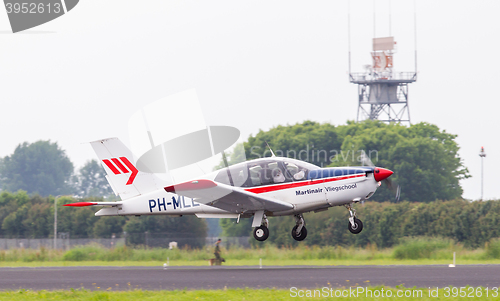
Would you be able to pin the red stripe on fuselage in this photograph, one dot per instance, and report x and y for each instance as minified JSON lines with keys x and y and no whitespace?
{"x":299,"y":184}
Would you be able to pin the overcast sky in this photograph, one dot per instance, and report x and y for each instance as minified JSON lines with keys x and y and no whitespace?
{"x":254,"y":64}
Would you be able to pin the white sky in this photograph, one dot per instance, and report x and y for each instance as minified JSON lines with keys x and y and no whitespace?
{"x":254,"y":64}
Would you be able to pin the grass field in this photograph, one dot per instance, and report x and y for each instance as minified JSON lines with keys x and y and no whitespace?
{"x":409,"y":252}
{"x":420,"y":251}
{"x":245,"y":262}
{"x":252,"y":294}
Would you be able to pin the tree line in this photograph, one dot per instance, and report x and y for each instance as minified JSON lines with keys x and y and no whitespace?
{"x":25,"y":216}
{"x":385,"y":224}
{"x":424,"y":158}
{"x":44,"y":168}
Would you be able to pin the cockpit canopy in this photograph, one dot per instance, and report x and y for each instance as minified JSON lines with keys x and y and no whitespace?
{"x":265,"y":171}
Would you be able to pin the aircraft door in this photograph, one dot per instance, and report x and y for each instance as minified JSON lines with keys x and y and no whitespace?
{"x":318,"y":177}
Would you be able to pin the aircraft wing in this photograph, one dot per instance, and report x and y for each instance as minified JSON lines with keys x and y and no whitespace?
{"x":226,"y":197}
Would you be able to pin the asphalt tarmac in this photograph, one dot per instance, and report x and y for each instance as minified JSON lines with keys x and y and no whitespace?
{"x":306,"y":277}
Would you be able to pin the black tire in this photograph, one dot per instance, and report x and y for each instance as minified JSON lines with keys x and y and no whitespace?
{"x":302,"y":235}
{"x":261,"y":233}
{"x":358,"y":226}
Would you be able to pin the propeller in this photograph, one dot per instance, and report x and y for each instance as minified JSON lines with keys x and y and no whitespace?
{"x":365,"y":160}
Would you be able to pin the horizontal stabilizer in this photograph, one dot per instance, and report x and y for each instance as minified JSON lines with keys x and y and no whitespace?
{"x":85,"y":204}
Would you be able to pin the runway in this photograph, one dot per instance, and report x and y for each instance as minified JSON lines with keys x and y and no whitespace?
{"x":307,"y":277}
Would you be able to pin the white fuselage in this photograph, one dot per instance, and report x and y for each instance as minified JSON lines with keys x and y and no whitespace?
{"x":305,"y":196}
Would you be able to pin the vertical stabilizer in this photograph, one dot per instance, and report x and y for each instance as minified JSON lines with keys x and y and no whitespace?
{"x":122,"y":174}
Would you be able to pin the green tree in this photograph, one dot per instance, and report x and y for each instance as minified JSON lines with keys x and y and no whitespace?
{"x":39,"y":222}
{"x":308,"y":141}
{"x":13,"y":225}
{"x":424,"y":159}
{"x":106,"y":226}
{"x":232,"y":229}
{"x":237,"y":155}
{"x":79,"y":222}
{"x":91,"y":181}
{"x":40,"y":167}
{"x":386,"y":224}
{"x":9,"y":203}
{"x":30,"y":218}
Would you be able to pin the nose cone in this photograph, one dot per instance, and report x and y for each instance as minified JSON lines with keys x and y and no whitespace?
{"x":381,"y":174}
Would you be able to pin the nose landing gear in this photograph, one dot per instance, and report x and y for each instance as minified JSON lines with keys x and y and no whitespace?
{"x":355,"y":225}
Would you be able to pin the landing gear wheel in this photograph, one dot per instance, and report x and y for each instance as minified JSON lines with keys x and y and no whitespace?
{"x":261,"y":233}
{"x":358,"y":226}
{"x":302,"y":235}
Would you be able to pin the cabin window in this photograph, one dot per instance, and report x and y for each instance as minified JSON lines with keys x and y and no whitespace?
{"x":267,"y":172}
{"x":298,"y":170}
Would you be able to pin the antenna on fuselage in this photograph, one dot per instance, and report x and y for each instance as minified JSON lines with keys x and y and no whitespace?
{"x":272,"y":153}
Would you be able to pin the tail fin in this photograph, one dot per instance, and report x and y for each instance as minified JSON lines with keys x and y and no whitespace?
{"x":124,"y":178}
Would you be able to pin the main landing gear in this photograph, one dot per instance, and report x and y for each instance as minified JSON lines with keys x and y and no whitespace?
{"x":355,"y":225}
{"x":299,"y":232}
{"x":262,"y":233}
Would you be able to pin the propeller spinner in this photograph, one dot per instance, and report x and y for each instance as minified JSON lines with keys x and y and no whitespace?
{"x":382,"y":174}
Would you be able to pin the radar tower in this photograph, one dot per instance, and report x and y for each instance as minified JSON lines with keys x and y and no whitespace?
{"x":382,"y":92}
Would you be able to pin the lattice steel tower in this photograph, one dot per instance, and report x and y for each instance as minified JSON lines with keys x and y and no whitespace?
{"x":383,"y":93}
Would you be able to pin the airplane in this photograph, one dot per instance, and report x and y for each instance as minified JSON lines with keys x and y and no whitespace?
{"x":271,"y":186}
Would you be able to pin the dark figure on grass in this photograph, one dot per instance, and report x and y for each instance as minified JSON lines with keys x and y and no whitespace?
{"x":218,"y":259}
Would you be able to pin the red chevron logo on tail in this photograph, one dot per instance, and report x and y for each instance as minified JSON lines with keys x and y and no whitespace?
{"x":120,"y":166}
